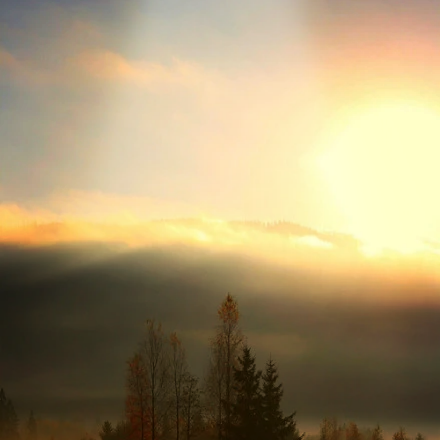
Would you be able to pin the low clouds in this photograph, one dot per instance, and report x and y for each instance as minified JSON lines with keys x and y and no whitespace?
{"x":135,"y":222}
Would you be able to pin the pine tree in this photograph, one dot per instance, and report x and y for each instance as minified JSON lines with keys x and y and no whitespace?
{"x":12,"y":421}
{"x":377,"y":433}
{"x":246,"y":410}
{"x":107,"y":431}
{"x":400,"y":434}
{"x":275,"y":425}
{"x":8,"y":418}
{"x":31,"y":427}
{"x":3,"y":416}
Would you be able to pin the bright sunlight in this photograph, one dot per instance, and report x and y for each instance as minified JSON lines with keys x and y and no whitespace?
{"x":382,"y":170}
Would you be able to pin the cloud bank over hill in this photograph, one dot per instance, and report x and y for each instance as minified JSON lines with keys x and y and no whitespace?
{"x":354,"y":337}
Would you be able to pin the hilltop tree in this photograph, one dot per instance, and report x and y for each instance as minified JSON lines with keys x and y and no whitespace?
{"x":246,"y":410}
{"x":137,"y":404}
{"x":224,"y":353}
{"x":419,"y":436}
{"x":275,"y":425}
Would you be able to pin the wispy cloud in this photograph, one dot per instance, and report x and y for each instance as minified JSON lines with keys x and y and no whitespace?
{"x":77,"y":51}
{"x":111,"y":66}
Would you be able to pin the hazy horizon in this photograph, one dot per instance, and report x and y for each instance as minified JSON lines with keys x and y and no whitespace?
{"x":158,"y":154}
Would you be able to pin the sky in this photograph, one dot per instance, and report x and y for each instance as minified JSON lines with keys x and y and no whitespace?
{"x":321,"y":114}
{"x":230,"y":109}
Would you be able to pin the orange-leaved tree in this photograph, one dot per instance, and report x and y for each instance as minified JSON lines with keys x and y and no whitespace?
{"x":225,"y":348}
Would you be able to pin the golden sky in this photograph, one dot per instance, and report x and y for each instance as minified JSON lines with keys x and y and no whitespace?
{"x":323,"y":115}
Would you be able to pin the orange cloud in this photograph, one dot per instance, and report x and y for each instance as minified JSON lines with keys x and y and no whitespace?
{"x":107,"y":65}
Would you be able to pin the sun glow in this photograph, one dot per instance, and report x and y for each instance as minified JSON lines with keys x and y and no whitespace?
{"x":382,"y":168}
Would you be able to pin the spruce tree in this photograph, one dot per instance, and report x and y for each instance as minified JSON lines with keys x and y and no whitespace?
{"x":31,"y":427}
{"x":275,"y":425}
{"x":8,"y":418}
{"x":12,"y":430}
{"x":3,"y":416}
{"x":246,"y":410}
{"x":377,"y":433}
{"x":107,"y":432}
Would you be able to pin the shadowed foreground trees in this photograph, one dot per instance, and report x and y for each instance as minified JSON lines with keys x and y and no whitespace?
{"x":247,"y":407}
{"x":225,"y":347}
{"x":238,"y":402}
{"x":331,"y":430}
{"x":275,"y":425}
{"x":8,"y":418}
{"x":31,"y":427}
{"x":137,"y":405}
{"x":165,"y":402}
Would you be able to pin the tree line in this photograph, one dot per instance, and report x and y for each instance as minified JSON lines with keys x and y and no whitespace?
{"x":9,"y":423}
{"x":330,"y":429}
{"x":234,"y":401}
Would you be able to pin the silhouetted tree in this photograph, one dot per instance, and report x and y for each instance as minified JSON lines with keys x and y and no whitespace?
{"x":191,"y":406}
{"x":137,"y":403}
{"x":157,"y":364}
{"x":377,"y":433}
{"x":246,"y":411}
{"x":352,"y":432}
{"x":329,"y":429}
{"x":8,"y":418}
{"x":275,"y":425}
{"x":31,"y":427}
{"x":122,"y":431}
{"x":400,"y":434}
{"x":224,"y":353}
{"x":420,"y":436}
{"x":107,"y":432}
{"x":178,"y":371}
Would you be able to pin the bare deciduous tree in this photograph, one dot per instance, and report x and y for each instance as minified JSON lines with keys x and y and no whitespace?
{"x":154,"y":351}
{"x":191,"y":406}
{"x":178,"y":371}
{"x":137,"y":404}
